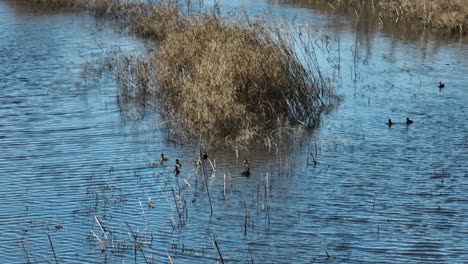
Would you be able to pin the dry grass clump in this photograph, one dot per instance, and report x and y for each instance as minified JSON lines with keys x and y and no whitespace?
{"x":156,"y":20}
{"x":150,"y":19}
{"x":57,"y":4}
{"x":146,"y":18}
{"x":228,"y":80}
{"x":444,"y":15}
{"x":441,"y":14}
{"x":75,"y":4}
{"x":233,"y":81}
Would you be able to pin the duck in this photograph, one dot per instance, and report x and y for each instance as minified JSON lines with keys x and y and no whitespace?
{"x":197,"y":162}
{"x":390,"y":123}
{"x":246,"y":164}
{"x":177,"y":164}
{"x":246,"y":172}
{"x":150,"y":202}
{"x":441,"y":85}
{"x":176,"y":171}
{"x":204,"y":156}
{"x":409,"y":121}
{"x":162,"y":158}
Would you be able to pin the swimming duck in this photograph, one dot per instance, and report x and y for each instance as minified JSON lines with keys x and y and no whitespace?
{"x":246,"y":172}
{"x":409,"y":121}
{"x":162,"y":158}
{"x":246,"y":164}
{"x":177,"y":164}
{"x":197,"y":162}
{"x":390,"y":123}
{"x":176,"y":171}
{"x":441,"y":85}
{"x":204,"y":156}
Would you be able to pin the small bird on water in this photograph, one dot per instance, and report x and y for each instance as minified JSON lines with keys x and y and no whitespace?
{"x":197,"y":162}
{"x":162,"y":158}
{"x":246,"y":164}
{"x":441,"y":85}
{"x":389,"y":123}
{"x":246,"y":172}
{"x":409,"y":121}
{"x":176,"y":171}
{"x":177,"y":164}
{"x":204,"y":156}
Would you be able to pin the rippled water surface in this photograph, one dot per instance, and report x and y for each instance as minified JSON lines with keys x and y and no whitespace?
{"x":75,"y":177}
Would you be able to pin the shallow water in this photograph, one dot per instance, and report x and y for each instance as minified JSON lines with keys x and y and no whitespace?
{"x":377,"y":195}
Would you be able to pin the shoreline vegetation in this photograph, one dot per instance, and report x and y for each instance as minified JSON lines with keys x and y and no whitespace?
{"x":232,"y":80}
{"x":449,"y":15}
{"x":444,"y":16}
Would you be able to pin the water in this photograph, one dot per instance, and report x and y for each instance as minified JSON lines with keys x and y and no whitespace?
{"x":377,"y":195}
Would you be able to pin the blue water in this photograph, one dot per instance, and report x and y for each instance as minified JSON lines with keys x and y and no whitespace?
{"x":377,"y":194}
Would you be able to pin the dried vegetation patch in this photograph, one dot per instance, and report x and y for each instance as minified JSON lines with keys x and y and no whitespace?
{"x":442,"y":15}
{"x":229,"y":79}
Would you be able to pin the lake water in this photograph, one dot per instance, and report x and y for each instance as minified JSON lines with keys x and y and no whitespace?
{"x":75,"y":177}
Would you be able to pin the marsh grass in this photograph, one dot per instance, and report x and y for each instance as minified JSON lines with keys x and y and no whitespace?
{"x":55,"y":4}
{"x":231,"y":80}
{"x":449,"y":15}
{"x":441,"y":15}
{"x":234,"y":81}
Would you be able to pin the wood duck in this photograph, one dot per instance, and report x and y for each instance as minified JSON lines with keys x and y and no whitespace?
{"x":204,"y":156}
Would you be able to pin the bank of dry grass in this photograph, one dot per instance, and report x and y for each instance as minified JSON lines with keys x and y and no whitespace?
{"x":442,"y":15}
{"x":229,"y":80}
{"x":446,"y":15}
{"x":234,"y":80}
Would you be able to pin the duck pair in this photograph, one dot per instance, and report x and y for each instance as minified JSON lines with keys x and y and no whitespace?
{"x":177,"y":165}
{"x":197,"y":163}
{"x":163,"y":159}
{"x":408,"y":122}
